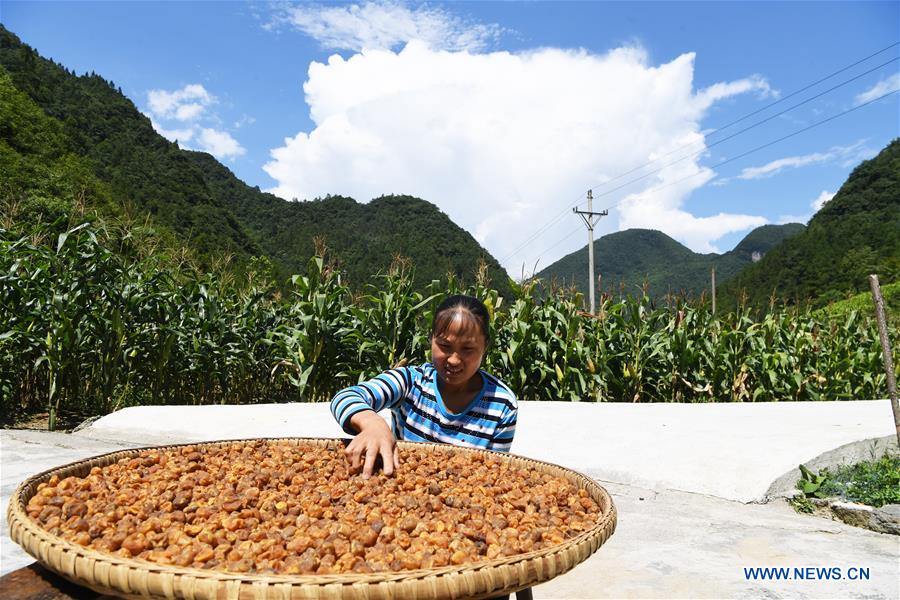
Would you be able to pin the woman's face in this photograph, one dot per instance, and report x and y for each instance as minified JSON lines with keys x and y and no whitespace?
{"x":457,"y":352}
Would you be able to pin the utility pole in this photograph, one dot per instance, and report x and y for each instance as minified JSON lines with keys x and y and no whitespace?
{"x":588,"y":216}
{"x":714,"y":289}
{"x":886,"y":350}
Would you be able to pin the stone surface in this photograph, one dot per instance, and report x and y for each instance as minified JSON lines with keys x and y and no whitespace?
{"x":852,"y":513}
{"x":678,"y":474}
{"x":886,"y":519}
{"x":681,"y":545}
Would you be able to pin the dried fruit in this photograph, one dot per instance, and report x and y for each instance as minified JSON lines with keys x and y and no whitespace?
{"x":269,"y":507}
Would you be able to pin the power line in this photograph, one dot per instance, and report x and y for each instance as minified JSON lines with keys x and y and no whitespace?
{"x":739,"y":156}
{"x":744,"y":130}
{"x":766,"y":145}
{"x":560,"y":241}
{"x":546,"y":226}
{"x":768,"y":106}
{"x":565,"y":210}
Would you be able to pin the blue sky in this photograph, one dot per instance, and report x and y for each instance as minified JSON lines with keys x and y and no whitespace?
{"x":505,"y":113}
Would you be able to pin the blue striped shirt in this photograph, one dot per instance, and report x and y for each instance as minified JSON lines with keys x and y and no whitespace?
{"x":419,"y":413}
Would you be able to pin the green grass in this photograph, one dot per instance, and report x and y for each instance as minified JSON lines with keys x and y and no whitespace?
{"x":802,"y":504}
{"x":862,"y":303}
{"x":874,"y":482}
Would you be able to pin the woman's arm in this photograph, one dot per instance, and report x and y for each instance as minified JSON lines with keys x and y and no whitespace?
{"x":355,"y":410}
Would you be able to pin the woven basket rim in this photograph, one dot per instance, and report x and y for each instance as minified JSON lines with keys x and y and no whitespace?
{"x":17,"y":518}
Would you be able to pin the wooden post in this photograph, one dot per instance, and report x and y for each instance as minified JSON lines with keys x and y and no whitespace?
{"x":714,"y":290}
{"x":886,"y":350}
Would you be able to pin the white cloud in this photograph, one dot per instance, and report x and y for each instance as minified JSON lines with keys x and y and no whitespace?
{"x":822,"y":198}
{"x":885,"y":86}
{"x":188,"y":106}
{"x":815,"y":205}
{"x":385,"y":25}
{"x":188,"y":112}
{"x":860,"y":154}
{"x":708,"y":96}
{"x":180,"y":135}
{"x":659,"y":207}
{"x":219,"y":143}
{"x":185,"y":104}
{"x":791,"y":162}
{"x":503,"y":142}
{"x":784,"y":219}
{"x":850,"y":153}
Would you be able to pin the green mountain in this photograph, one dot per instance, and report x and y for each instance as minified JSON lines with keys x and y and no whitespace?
{"x":856,"y":233}
{"x":364,"y":237}
{"x":77,"y":142}
{"x":761,"y":240}
{"x":103,"y":129}
{"x":627,"y":260}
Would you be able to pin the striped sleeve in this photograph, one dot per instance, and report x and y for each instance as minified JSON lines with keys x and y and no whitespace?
{"x":383,"y":391}
{"x":505,"y":431}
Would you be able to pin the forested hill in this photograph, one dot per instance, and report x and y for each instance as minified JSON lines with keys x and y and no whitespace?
{"x":856,"y":233}
{"x":97,"y":136}
{"x":103,"y":128}
{"x":628,"y":259}
{"x":363,"y":237}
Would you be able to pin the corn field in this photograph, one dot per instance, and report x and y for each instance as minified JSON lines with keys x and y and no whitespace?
{"x":85,"y":331}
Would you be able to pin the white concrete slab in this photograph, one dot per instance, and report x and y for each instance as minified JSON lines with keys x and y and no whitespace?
{"x":174,"y":424}
{"x":732,"y":451}
{"x":669,"y":543}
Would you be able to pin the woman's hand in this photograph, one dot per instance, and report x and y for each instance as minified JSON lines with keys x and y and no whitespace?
{"x":374,"y":438}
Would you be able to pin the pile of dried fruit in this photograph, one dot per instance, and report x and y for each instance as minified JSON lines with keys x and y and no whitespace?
{"x":269,"y":507}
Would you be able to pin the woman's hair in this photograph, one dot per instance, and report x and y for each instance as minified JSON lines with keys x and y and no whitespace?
{"x":469,"y":310}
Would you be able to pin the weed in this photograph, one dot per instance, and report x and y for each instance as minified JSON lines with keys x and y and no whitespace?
{"x":873,"y":482}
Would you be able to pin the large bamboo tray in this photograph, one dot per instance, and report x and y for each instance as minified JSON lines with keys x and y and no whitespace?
{"x":133,"y":578}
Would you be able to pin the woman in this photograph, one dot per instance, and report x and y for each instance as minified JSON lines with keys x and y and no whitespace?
{"x":449,"y":400}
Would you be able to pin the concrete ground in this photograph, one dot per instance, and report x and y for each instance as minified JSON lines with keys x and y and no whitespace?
{"x":689,"y":482}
